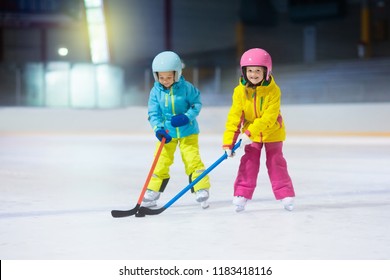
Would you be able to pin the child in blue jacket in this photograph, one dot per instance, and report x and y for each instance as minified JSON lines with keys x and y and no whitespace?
{"x":173,"y":107}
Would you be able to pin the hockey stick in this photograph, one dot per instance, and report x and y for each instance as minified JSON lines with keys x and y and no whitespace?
{"x":127,"y":213}
{"x":147,"y":211}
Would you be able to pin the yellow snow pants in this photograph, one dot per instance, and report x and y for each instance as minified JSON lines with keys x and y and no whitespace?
{"x":189,"y":150}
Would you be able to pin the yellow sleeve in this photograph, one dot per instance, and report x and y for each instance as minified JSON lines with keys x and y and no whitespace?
{"x":234,"y":120}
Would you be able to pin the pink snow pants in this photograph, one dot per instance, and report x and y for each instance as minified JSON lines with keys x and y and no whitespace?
{"x":249,"y":168}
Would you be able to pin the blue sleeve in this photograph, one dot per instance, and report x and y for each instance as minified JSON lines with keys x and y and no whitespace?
{"x":194,"y":102}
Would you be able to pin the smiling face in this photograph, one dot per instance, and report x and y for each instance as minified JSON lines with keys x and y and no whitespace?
{"x":255,"y":74}
{"x":166,"y":78}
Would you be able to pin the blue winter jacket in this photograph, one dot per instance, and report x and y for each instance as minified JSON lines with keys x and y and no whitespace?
{"x":181,"y":98}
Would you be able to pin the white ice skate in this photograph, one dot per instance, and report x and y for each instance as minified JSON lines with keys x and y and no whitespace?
{"x":205,"y":204}
{"x":288,"y":203}
{"x":202,"y":195}
{"x":239,"y":202}
{"x":149,"y":204}
{"x":151,"y":196}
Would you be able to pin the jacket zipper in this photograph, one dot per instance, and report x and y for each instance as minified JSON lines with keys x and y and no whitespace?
{"x":173,"y":110}
{"x":254,"y":103}
{"x":261,"y":104}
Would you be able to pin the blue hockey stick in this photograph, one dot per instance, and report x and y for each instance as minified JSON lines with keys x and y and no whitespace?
{"x":142,"y":211}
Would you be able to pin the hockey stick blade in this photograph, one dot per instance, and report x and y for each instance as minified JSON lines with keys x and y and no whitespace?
{"x":125,"y":213}
{"x":131,"y":212}
{"x":147,"y":211}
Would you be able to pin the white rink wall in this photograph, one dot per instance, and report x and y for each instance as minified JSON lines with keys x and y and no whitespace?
{"x":354,"y":118}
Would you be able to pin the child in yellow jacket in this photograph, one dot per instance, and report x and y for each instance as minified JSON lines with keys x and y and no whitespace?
{"x":255,"y":119}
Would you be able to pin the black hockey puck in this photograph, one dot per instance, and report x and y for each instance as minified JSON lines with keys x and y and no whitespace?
{"x":138,"y":215}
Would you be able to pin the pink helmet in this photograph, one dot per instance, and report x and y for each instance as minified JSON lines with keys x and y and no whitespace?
{"x":257,"y":57}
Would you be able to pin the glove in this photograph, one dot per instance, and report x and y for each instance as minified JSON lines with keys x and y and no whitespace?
{"x":160,"y":133}
{"x":229,"y":153}
{"x":179,"y":120}
{"x":245,"y":140}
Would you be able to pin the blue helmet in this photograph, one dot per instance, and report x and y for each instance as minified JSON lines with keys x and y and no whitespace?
{"x":167,"y":61}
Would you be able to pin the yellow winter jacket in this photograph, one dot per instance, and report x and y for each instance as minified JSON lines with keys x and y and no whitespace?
{"x":256,"y":112}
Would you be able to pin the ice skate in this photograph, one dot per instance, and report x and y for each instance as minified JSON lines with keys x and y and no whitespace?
{"x":149,"y":204}
{"x":288,"y":203}
{"x":205,"y":204}
{"x":239,"y":202}
{"x":202,"y":195}
{"x":151,"y":196}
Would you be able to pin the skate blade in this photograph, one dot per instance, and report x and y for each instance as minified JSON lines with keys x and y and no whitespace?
{"x":149,"y":204}
{"x":204,"y":204}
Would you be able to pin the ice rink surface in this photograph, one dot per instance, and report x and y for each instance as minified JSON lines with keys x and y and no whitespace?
{"x":57,"y":191}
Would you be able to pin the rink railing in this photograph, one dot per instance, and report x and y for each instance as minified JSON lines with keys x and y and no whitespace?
{"x":83,"y":85}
